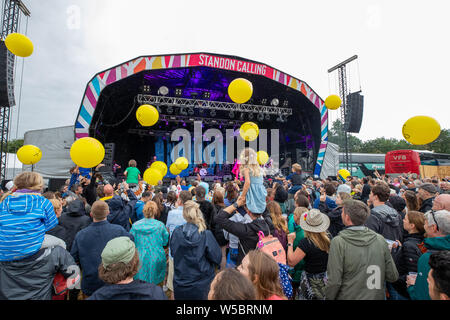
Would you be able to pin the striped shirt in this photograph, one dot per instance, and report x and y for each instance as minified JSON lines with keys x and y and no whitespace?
{"x":24,"y":220}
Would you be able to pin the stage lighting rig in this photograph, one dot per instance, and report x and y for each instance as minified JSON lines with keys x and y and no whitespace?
{"x":275,"y":102}
{"x":178,"y":92}
{"x":163,"y":91}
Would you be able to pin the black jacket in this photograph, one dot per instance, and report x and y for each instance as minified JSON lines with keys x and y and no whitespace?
{"x":218,"y":230}
{"x":89,"y":192}
{"x":195,"y":258}
{"x":32,"y":278}
{"x":365,"y":193}
{"x":120,"y":211}
{"x":336,"y":224}
{"x":59,"y":232}
{"x":74,"y":220}
{"x":247,"y":233}
{"x":406,"y":257}
{"x":386,"y":221}
{"x":408,"y":254}
{"x":208,"y":211}
{"x":426,"y":205}
{"x":136,"y":290}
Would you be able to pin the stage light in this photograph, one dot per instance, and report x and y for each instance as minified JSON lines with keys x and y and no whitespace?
{"x":191,"y":111}
{"x":194,"y":95}
{"x":281,"y":118}
{"x":260,"y":116}
{"x":285,"y":103}
{"x":242,"y":116}
{"x":163,"y":91}
{"x":206,"y":95}
{"x":146,"y":89}
{"x":275,"y":102}
{"x":268,"y":117}
{"x":178,"y":92}
{"x":212,"y":113}
{"x":231,"y":114}
{"x":183,"y":111}
{"x":169,"y":110}
{"x":263,"y":101}
{"x":250,"y":116}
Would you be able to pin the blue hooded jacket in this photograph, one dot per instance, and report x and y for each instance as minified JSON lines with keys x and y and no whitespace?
{"x":195,"y":257}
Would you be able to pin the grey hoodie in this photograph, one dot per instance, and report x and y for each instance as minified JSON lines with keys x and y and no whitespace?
{"x":386,"y":221}
{"x":359,"y":263}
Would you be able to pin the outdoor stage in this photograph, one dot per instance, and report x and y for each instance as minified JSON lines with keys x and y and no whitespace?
{"x":192,"y":88}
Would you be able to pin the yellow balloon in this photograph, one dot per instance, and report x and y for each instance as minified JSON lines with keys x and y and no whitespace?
{"x":19,"y":44}
{"x":240,"y":90}
{"x":182,"y":163}
{"x":343,"y":174}
{"x":161,"y":166}
{"x":29,"y":154}
{"x":87,"y":152}
{"x":262,"y":157}
{"x":147,"y":115}
{"x":333,"y":102}
{"x":249,"y":131}
{"x":174,"y":169}
{"x":421,"y":130}
{"x":152,"y":176}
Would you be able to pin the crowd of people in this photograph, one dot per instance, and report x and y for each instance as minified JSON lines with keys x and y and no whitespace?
{"x":254,"y":238}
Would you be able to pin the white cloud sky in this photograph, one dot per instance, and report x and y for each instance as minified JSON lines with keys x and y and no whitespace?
{"x":402,"y":46}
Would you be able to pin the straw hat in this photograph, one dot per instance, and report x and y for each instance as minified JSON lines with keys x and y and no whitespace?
{"x":314,"y":221}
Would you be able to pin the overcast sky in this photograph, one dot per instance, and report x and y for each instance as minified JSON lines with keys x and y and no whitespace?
{"x":403,"y":50}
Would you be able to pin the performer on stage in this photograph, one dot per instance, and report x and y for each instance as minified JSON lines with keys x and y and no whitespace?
{"x":236,"y":169}
{"x":151,"y":161}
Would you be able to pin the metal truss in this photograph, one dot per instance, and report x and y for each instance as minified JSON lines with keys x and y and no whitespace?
{"x":10,"y":24}
{"x":211,"y":105}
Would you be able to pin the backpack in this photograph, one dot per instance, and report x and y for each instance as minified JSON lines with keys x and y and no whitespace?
{"x":272,"y":246}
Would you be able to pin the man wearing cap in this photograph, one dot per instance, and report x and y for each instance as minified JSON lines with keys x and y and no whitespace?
{"x":90,"y":242}
{"x":359,"y":260}
{"x":426,"y":193}
{"x":119,"y":264}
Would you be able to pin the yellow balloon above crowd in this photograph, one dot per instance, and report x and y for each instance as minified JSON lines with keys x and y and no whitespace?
{"x":249,"y":131}
{"x":160,"y":166}
{"x":262,"y":157}
{"x":87,"y":152}
{"x":182,"y":163}
{"x":421,"y":130}
{"x":174,"y":169}
{"x":29,"y":154}
{"x":152,"y":176}
{"x":240,"y":90}
{"x":19,"y":45}
{"x":147,"y":115}
{"x":333,"y":102}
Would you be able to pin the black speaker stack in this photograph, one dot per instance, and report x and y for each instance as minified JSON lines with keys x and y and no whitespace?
{"x":354,"y":112}
{"x":6,"y":77}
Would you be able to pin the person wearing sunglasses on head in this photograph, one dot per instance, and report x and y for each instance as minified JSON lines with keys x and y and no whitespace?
{"x":437,"y":232}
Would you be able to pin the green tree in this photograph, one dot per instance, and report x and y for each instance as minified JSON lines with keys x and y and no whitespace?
{"x":382,"y":144}
{"x":14,"y":145}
